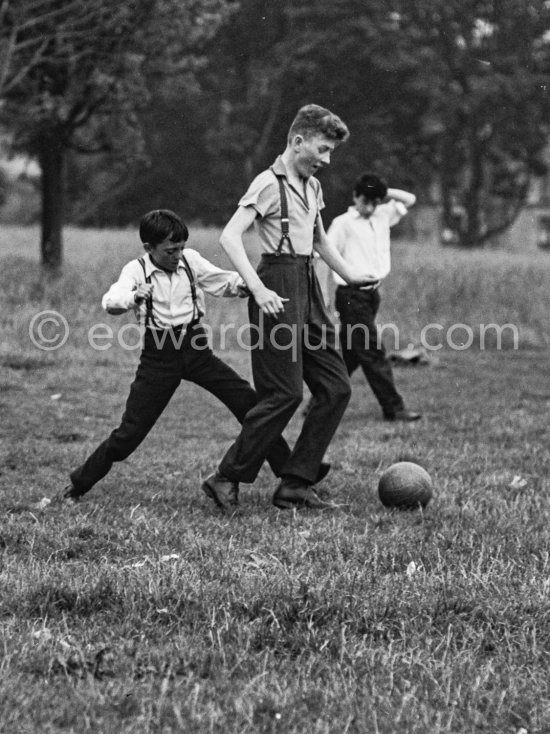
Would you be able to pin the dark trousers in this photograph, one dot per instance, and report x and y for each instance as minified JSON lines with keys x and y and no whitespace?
{"x":296,"y":346}
{"x":360,"y":347}
{"x":160,"y":370}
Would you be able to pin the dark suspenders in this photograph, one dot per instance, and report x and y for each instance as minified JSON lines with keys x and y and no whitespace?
{"x":285,"y":230}
{"x":149,"y":315}
{"x":197,"y":313}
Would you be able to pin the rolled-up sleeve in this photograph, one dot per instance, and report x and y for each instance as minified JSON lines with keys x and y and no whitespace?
{"x":262,"y":194}
{"x":396,"y":211}
{"x":121,"y":294}
{"x":214,"y":280}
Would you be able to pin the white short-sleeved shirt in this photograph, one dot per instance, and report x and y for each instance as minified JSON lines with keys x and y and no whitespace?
{"x":365,"y":243}
{"x":303,"y":207}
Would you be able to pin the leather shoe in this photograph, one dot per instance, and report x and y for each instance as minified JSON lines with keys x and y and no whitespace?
{"x":67,"y":496}
{"x":289,"y":495}
{"x":403,"y":415}
{"x":224,"y":492}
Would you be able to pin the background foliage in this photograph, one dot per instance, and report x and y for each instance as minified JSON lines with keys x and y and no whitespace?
{"x":438,"y":95}
{"x":183,"y":102}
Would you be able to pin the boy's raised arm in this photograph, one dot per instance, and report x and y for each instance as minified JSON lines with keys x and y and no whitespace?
{"x":405,"y":197}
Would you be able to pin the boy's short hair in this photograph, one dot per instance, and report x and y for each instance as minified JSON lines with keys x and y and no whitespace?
{"x":160,"y":225}
{"x":315,"y":120}
{"x":371,"y":186}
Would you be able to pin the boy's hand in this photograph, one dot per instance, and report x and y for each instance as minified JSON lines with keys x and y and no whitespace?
{"x":269,"y":301}
{"x":142,"y":292}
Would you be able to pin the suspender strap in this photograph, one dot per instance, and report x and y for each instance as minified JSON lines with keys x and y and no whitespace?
{"x":285,"y":230}
{"x":197,"y":313}
{"x":149,"y":315}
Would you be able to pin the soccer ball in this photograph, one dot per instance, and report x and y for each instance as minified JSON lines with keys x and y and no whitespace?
{"x":405,"y":485}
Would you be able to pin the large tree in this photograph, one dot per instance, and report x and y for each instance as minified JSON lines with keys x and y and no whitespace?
{"x":445,"y":95}
{"x":88,"y":79}
{"x":482,"y":68}
{"x":276,"y":56}
{"x":23,"y":48}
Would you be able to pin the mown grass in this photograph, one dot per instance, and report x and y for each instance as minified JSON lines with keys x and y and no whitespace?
{"x":141,"y":610}
{"x":440,"y":297}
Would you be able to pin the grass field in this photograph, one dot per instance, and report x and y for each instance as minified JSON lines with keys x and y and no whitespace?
{"x":141,"y":610}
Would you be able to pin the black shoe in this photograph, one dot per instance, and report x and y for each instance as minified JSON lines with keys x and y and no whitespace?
{"x":289,"y":495}
{"x":403,"y":415}
{"x":224,"y":492}
{"x":67,"y":496}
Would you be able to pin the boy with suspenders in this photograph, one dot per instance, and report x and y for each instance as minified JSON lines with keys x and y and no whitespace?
{"x":297,"y":340}
{"x":165,"y":288}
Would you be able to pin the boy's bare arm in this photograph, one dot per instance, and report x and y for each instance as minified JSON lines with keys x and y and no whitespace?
{"x":335,"y":261}
{"x":405,"y":197}
{"x":231,"y":241}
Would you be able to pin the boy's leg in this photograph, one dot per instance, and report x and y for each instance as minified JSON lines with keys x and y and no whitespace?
{"x":348,"y":354}
{"x":211,"y":373}
{"x":278,"y":382}
{"x":358,"y":311}
{"x":326,"y":376}
{"x":155,"y":382}
{"x":276,"y":367}
{"x":346,"y":348}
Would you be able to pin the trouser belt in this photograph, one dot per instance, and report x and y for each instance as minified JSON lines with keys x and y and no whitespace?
{"x":360,"y":288}
{"x":284,"y":258}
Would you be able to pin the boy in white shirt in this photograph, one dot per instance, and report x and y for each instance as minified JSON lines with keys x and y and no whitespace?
{"x":362,"y":237}
{"x":165,"y":289}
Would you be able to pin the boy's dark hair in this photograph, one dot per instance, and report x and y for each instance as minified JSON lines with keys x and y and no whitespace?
{"x":160,"y":225}
{"x":315,"y":120}
{"x":371,"y":186}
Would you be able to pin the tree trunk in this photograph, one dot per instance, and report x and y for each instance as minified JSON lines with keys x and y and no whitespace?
{"x":256,"y":156}
{"x":474,"y":233}
{"x":52,"y":163}
{"x":449,"y":177}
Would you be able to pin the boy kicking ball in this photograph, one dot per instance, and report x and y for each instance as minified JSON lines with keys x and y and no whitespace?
{"x":165,"y":289}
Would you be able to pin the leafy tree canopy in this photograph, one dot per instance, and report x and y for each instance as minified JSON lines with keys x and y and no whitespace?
{"x":447,"y":97}
{"x":79,"y":74}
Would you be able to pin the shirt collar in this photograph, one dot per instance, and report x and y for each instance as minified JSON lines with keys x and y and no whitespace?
{"x":355,"y":214}
{"x":279,"y":167}
{"x":150,"y":266}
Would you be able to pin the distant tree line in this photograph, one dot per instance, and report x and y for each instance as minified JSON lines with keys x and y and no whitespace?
{"x":178,"y":103}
